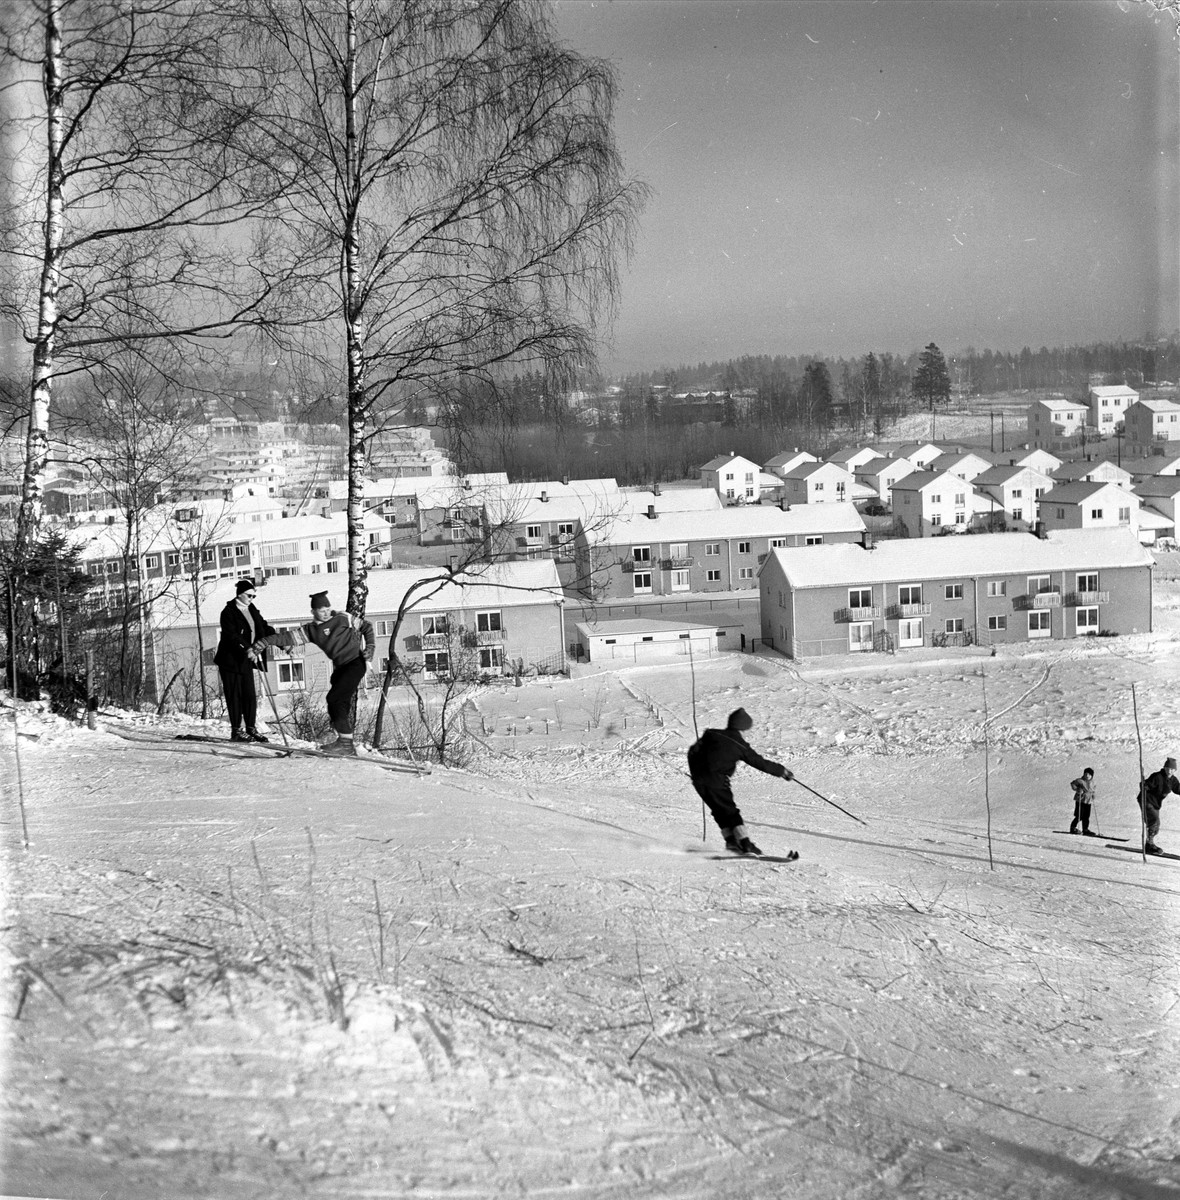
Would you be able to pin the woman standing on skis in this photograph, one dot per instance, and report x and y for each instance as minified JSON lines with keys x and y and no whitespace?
{"x":241,"y":626}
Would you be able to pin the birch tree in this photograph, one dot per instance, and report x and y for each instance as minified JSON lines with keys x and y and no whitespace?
{"x":459,"y":184}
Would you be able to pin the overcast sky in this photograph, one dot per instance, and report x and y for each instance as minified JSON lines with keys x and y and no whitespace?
{"x":839,"y":176}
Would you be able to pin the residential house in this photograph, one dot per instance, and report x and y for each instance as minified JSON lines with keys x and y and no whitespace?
{"x":964,"y":465}
{"x":732,"y":477}
{"x":921,"y":454}
{"x":638,"y":640}
{"x":880,"y":474}
{"x":852,"y":458}
{"x":989,"y":589}
{"x":786,"y":459}
{"x":1055,"y":423}
{"x":507,"y":618}
{"x":1108,"y":406}
{"x":1158,"y":503}
{"x":1089,"y":504}
{"x":1151,"y":425}
{"x":1099,"y":470}
{"x":1006,"y":497}
{"x":818,"y":483}
{"x":1039,"y":460}
{"x":929,"y":503}
{"x":682,"y":554}
{"x":1155,"y":464}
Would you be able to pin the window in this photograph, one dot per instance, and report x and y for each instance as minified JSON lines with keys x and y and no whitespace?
{"x":745,"y":572}
{"x":777,"y":543}
{"x":1040,"y":623}
{"x":290,"y":676}
{"x":729,"y":493}
{"x":173,"y":559}
{"x":209,"y":556}
{"x":383,"y":628}
{"x":1038,"y":584}
{"x":936,"y":499}
{"x":491,"y":658}
{"x":374,"y":539}
{"x":152,"y":562}
{"x":334,"y":567}
{"x":565,"y":529}
{"x":1018,"y":514}
{"x":860,"y":597}
{"x":905,"y":497}
{"x":1125,"y":516}
{"x":435,"y":624}
{"x":997,"y":623}
{"x":532,"y":532}
{"x":953,"y":625}
{"x":1088,"y":583}
{"x":315,"y":568}
{"x":954,"y":591}
{"x":743,"y":547}
{"x":712,"y":549}
{"x":729,"y":475}
{"x":960,"y":499}
{"x":488,"y":622}
{"x":814,"y":539}
{"x":228,"y":551}
{"x":713,"y":576}
{"x":678,"y":550}
{"x":909,"y":633}
{"x":313,"y":545}
{"x":458,"y":533}
{"x":1087,"y":619}
{"x":936,"y":518}
{"x":242,"y":550}
{"x":819,"y":486}
{"x":641,"y":554}
{"x":997,"y":587}
{"x":1061,"y":514}
{"x":1095,"y":514}
{"x":909,"y":593}
{"x":960,"y":518}
{"x":680,"y":581}
{"x":435,"y":663}
{"x":860,"y":636}
{"x":1017,"y":493}
{"x":642,"y":581}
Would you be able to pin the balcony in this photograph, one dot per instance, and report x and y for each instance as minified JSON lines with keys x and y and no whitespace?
{"x":873,"y":612}
{"x":677,"y":564}
{"x":484,"y":637}
{"x":899,"y":612}
{"x":631,"y":564}
{"x":336,"y":552}
{"x":1086,"y":599}
{"x":434,"y":641}
{"x":1033,"y":600}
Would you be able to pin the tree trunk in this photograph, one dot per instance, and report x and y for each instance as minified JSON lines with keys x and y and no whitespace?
{"x":200,"y":640}
{"x":37,"y":437}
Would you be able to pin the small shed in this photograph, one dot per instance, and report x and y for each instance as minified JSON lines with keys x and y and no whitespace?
{"x":643,"y":640}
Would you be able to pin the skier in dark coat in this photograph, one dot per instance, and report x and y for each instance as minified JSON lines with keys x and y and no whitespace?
{"x":350,"y":643}
{"x":1151,"y":798}
{"x":1083,"y":801}
{"x":712,"y":761}
{"x":241,"y":625}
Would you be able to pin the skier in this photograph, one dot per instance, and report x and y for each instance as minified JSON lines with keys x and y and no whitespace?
{"x":1084,"y":793}
{"x":712,"y":760}
{"x":1151,"y":797}
{"x":241,"y":626}
{"x":349,"y":642}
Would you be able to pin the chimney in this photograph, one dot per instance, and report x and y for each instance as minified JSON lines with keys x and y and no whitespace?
{"x":1039,"y":530}
{"x":867,"y":541}
{"x":651,"y":512}
{"x":784,"y":505}
{"x":565,"y":479}
{"x":452,"y":562}
{"x":655,"y":488}
{"x":544,"y":497}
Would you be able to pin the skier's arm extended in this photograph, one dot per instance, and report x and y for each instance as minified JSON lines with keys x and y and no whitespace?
{"x":754,"y":759}
{"x":285,"y":639}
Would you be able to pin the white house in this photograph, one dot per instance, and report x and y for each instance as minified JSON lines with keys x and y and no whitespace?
{"x":786,"y":459}
{"x":852,"y":458}
{"x":1092,"y":471}
{"x":1007,"y":496}
{"x":1055,"y":423}
{"x":881,"y":474}
{"x":921,"y":454}
{"x":638,"y":640}
{"x":965,"y":465}
{"x":929,"y":503}
{"x":817,"y":483}
{"x":1089,"y":504}
{"x":1039,"y":460}
{"x":1150,"y":425}
{"x":732,"y":477}
{"x":1108,"y":407}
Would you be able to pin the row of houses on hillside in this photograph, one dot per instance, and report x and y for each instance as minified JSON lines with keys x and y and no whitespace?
{"x":1146,"y":424}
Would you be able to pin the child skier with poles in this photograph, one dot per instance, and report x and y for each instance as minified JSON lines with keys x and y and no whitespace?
{"x":712,"y":760}
{"x":1084,"y":793}
{"x":350,"y":643}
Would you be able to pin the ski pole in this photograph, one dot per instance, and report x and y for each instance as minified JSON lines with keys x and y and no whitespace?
{"x":275,"y":708}
{"x":796,"y":779}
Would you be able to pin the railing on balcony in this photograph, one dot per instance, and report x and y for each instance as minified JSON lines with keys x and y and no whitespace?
{"x":434,"y":641}
{"x":677,"y":564}
{"x":897,"y":612}
{"x":1083,"y":599}
{"x":484,"y":637}
{"x":336,"y":552}
{"x":873,"y":612}
{"x":631,"y":564}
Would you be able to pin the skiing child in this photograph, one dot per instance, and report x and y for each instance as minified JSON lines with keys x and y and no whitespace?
{"x":1151,"y":797}
{"x":1084,"y":794}
{"x":711,"y":763}
{"x":340,"y":637}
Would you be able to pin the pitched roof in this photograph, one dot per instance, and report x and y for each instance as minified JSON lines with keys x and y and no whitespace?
{"x":1080,"y":490}
{"x":918,"y":559}
{"x":751,"y":520}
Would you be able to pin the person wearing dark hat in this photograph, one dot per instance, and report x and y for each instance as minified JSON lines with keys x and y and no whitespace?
{"x":712,"y":760}
{"x":241,"y":625}
{"x":350,"y":643}
{"x":1083,"y":802}
{"x":1151,"y":798}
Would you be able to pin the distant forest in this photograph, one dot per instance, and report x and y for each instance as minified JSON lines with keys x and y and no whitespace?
{"x":636,"y":430}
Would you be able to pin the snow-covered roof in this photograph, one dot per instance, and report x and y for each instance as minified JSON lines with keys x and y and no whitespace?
{"x":751,"y":520}
{"x":1080,"y":468}
{"x":917,"y":559}
{"x":1158,"y":485}
{"x":1158,"y":406}
{"x":694,"y":499}
{"x":591,"y":500}
{"x":1116,"y":389}
{"x":1150,"y":518}
{"x":920,"y":480}
{"x":286,"y":598}
{"x":635,"y":625}
{"x":805,"y":470}
{"x":1080,"y":490}
{"x":722,"y":460}
{"x":1057,"y":404}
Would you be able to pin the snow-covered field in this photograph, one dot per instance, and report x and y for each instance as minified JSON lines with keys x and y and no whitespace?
{"x":233,"y":975}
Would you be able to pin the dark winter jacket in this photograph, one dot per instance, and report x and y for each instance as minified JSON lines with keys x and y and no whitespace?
{"x":718,"y":752}
{"x":1084,"y":790}
{"x":237,"y":638}
{"x":1156,"y":786}
{"x":340,"y":637}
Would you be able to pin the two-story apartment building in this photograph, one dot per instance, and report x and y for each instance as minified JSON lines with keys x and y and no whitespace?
{"x":818,"y":483}
{"x":1006,"y":497}
{"x":1055,"y":423}
{"x":1108,"y":406}
{"x":929,"y":503}
{"x":1089,"y":504}
{"x":668,"y":553}
{"x":1149,"y":425}
{"x":988,"y":589}
{"x":734,"y":478}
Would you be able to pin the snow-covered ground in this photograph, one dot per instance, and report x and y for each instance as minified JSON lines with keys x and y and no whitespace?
{"x":234,"y":975}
